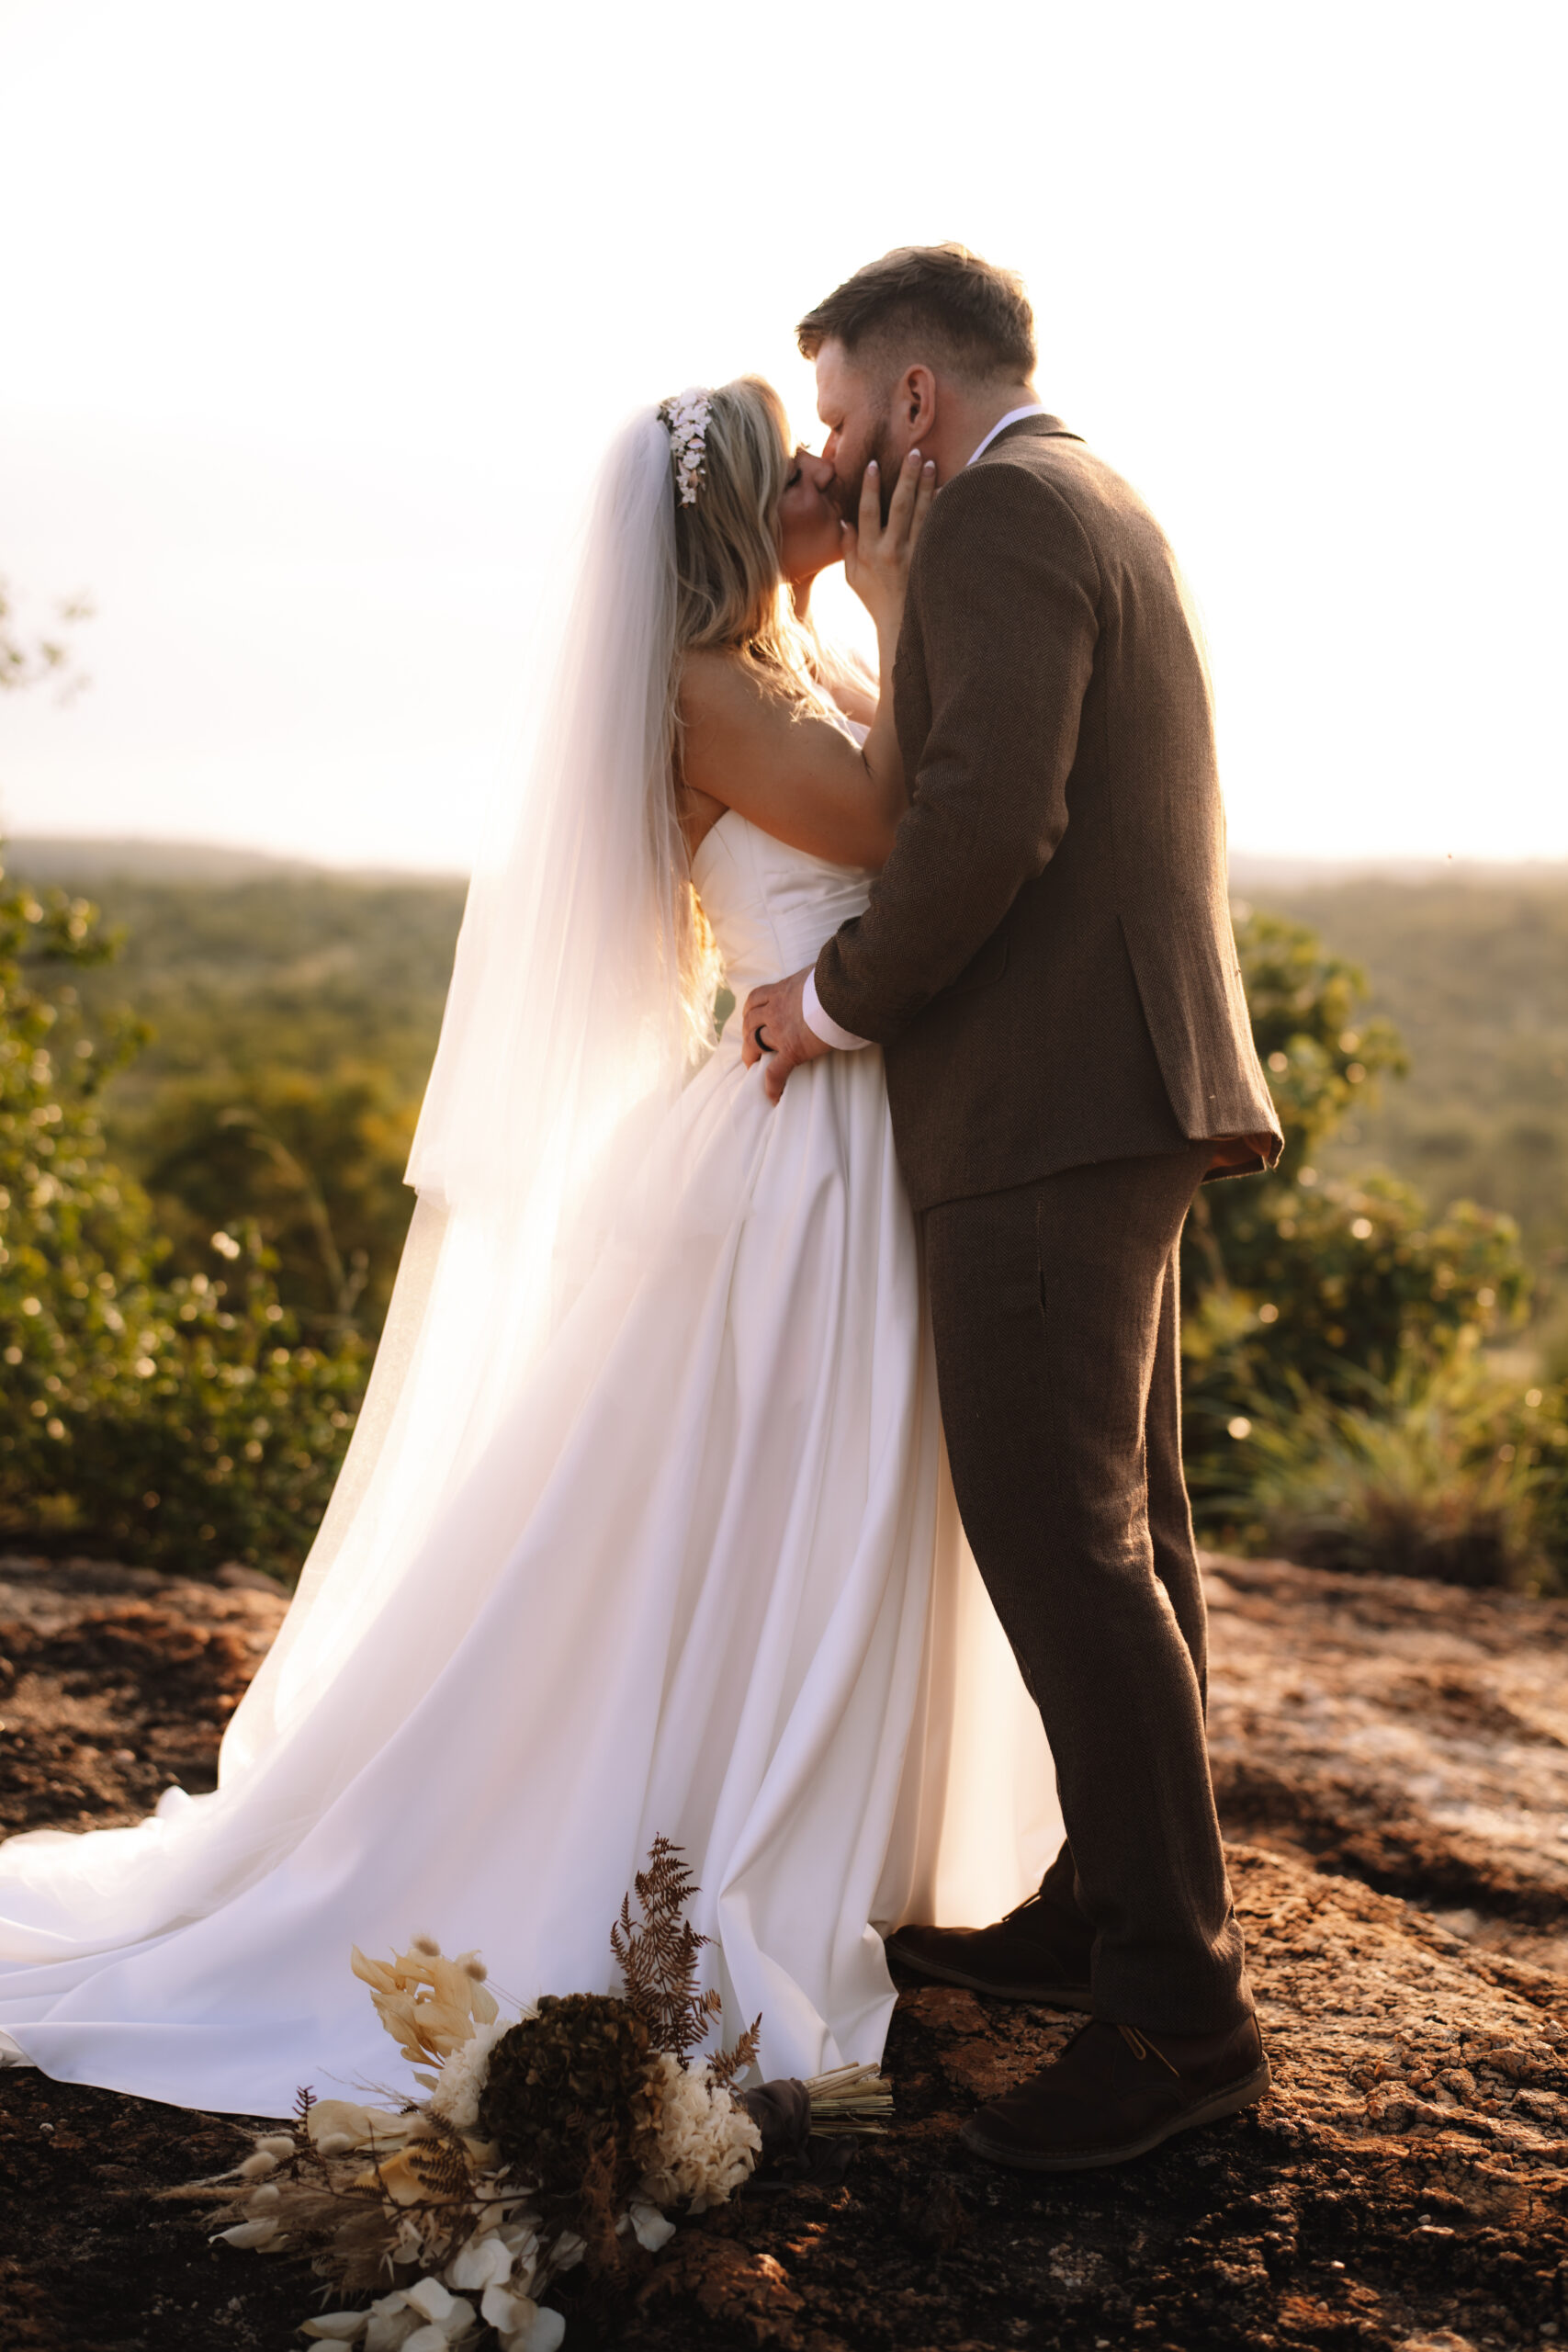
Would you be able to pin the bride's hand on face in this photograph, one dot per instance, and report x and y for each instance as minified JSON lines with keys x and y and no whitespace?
{"x":876,"y":554}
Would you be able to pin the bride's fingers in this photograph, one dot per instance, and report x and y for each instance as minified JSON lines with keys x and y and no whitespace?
{"x":871,"y":503}
{"x":923,"y":497}
{"x":901,"y":506}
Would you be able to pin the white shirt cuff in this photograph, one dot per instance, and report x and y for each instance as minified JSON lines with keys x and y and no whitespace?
{"x":822,"y":1025}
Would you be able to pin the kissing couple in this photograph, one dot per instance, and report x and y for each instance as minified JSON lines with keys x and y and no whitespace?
{"x":647,"y":1526}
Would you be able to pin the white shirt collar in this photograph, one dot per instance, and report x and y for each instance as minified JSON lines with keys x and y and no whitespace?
{"x":1035,"y":408}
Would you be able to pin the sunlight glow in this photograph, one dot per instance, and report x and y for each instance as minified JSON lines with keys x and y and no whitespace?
{"x":315,"y":315}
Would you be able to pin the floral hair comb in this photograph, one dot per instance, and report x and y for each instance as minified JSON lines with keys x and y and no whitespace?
{"x":686,"y":418}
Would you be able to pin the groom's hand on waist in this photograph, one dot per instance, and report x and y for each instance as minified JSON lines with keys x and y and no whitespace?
{"x":785,"y":1041}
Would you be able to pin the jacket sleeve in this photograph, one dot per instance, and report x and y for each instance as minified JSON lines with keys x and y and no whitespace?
{"x":1004,"y":596}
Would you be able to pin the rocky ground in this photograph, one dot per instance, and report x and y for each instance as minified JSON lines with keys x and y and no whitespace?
{"x":1392,"y":1764}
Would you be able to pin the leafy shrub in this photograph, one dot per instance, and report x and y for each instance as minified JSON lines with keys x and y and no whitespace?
{"x":179,"y":1421}
{"x":1331,"y":1329}
{"x":1439,"y":1472}
{"x":1315,"y":1287}
{"x":314,"y":1159}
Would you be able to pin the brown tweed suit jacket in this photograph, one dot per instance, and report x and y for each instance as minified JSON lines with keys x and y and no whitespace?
{"x":1047,"y":957}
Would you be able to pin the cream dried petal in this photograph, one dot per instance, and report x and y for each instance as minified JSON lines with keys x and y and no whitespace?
{"x":330,"y":2117}
{"x":389,"y":2331}
{"x":542,"y":2331}
{"x":250,"y":2234}
{"x":372,"y":1972}
{"x":429,"y":2298}
{"x":484,"y":2262}
{"x":651,"y":2228}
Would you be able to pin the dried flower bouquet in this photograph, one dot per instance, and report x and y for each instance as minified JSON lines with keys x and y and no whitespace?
{"x":553,"y":2138}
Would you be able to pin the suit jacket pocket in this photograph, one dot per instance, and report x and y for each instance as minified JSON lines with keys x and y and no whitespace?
{"x":981,"y":969}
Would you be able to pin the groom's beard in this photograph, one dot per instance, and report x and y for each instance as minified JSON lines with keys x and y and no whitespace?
{"x":888,"y":462}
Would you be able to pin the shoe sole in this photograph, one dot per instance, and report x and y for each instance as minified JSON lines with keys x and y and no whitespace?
{"x":1246,"y":2092}
{"x":1044,"y":1996}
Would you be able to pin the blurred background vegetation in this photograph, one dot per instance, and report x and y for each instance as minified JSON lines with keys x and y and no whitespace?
{"x":206,"y":1093}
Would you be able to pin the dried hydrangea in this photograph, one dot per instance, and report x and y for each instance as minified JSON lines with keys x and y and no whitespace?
{"x":455,"y":2097}
{"x":706,"y":2143}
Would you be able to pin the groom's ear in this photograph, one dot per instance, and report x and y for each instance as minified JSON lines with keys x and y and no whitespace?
{"x":915,"y":403}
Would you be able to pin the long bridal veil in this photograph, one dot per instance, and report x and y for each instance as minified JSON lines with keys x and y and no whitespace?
{"x":576,"y":1016}
{"x":568,"y":1030}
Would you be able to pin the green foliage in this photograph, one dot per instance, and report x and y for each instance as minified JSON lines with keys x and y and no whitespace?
{"x":181,"y":1421}
{"x":290,"y":1018}
{"x":314,"y":1161}
{"x":1440,"y":1471}
{"x":30,"y":661}
{"x":1304,"y":1002}
{"x":1472,"y":969}
{"x":295,"y":1013}
{"x":1326,"y":1283}
{"x":1317,"y":1310}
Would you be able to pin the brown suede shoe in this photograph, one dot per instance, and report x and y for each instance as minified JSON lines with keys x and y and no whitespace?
{"x":1113,"y":2093}
{"x":1036,"y":1953}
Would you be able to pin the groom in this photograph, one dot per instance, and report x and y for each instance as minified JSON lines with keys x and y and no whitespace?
{"x":1047,"y":963}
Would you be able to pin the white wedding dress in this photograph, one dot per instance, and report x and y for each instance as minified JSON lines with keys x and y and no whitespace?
{"x":706,"y":1579}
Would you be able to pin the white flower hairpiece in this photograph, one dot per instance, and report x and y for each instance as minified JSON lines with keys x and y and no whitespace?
{"x":686,"y":418}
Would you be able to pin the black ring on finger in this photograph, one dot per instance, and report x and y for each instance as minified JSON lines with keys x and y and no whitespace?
{"x":757,"y":1039}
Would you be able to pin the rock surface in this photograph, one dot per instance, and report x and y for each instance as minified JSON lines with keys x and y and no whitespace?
{"x":1405,"y":2189}
{"x":1415,"y":1735}
{"x":116,"y":1681}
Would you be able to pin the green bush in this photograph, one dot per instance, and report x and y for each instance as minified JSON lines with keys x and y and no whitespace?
{"x":1317,"y":1314}
{"x":1439,"y":1472}
{"x":183,"y":1422}
{"x":314,"y":1159}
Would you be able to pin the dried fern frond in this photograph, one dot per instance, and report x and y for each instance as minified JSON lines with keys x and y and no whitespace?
{"x":731,"y":2065}
{"x":659,"y":1958}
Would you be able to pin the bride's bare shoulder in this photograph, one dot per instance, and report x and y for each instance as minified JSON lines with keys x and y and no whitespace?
{"x":718,"y":684}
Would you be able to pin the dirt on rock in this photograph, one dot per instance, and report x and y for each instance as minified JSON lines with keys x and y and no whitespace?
{"x":1415,"y":1735}
{"x":1404,"y":2188}
{"x":116,"y":1683}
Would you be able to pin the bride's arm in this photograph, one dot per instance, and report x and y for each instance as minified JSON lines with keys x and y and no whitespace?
{"x":797,"y":776}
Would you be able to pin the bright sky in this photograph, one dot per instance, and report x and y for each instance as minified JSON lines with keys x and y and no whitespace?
{"x":314,"y":315}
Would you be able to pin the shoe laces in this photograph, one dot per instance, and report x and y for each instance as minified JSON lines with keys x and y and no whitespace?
{"x":1142,"y":2047}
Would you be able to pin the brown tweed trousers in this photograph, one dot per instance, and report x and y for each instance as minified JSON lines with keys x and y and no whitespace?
{"x":1047,"y":961}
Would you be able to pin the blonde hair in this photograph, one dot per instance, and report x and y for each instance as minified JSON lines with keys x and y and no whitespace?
{"x":731,"y":594}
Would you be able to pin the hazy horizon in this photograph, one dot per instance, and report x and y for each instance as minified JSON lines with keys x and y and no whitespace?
{"x":163,"y":856}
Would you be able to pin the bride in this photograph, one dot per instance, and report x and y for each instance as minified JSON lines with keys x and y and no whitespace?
{"x":645,"y":1526}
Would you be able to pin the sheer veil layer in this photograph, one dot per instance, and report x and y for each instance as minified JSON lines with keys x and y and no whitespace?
{"x":645,"y":1525}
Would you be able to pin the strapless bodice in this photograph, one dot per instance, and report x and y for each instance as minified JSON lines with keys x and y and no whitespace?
{"x":772,"y":909}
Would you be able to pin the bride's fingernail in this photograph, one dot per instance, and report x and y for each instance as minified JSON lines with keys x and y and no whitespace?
{"x":916,"y":455}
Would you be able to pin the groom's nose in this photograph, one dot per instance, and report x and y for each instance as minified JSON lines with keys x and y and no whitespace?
{"x":821,"y":470}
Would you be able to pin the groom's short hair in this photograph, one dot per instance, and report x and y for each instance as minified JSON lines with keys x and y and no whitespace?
{"x":978,"y":316}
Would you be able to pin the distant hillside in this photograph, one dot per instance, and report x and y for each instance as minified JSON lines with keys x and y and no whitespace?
{"x":1472,"y":969}
{"x":240,"y":961}
{"x":254,"y":965}
{"x":83,"y":862}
